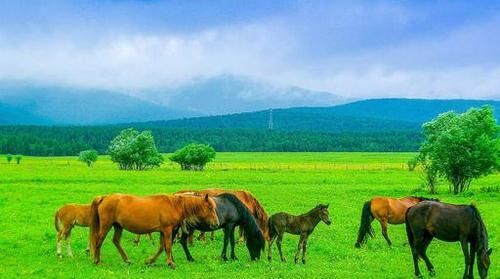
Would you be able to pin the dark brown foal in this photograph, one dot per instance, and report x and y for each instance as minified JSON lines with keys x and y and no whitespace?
{"x":302,"y":225}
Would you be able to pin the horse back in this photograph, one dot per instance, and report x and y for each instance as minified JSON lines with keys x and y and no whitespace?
{"x":74,"y":214}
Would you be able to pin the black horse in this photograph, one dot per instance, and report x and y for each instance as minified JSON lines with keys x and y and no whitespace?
{"x":231,"y":213}
{"x":451,"y":223}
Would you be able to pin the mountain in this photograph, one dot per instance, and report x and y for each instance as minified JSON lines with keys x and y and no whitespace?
{"x":231,"y":94}
{"x":29,"y":104}
{"x":378,"y":115}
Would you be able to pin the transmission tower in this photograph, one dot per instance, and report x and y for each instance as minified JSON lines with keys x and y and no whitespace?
{"x":270,"y":124}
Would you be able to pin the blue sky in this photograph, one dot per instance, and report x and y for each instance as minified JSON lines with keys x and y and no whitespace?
{"x":357,"y":49}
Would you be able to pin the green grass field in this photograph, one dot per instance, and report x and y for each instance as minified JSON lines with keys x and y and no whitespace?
{"x":292,"y":182}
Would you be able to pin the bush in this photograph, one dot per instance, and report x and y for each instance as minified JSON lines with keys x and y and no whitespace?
{"x":412,"y":163}
{"x":88,"y":157}
{"x":9,"y":158}
{"x":132,"y":150}
{"x":461,"y":147}
{"x":18,"y":159}
{"x":193,"y":156}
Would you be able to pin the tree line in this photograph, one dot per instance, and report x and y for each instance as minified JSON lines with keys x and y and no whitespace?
{"x":69,"y":141}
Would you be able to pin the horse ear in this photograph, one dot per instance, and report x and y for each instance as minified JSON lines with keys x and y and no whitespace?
{"x":206,"y":197}
{"x":489,"y":251}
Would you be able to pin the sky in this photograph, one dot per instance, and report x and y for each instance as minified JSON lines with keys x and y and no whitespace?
{"x":356,"y":49}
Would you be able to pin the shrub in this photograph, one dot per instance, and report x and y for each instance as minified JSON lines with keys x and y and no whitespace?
{"x":88,"y":157}
{"x":132,"y":150}
{"x":9,"y":158}
{"x":18,"y":158}
{"x":412,"y":163}
{"x":193,"y":156}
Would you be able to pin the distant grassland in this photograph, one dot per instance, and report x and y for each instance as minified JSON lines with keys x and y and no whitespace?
{"x":292,"y":182}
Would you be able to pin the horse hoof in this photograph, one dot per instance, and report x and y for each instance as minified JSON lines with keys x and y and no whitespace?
{"x":269,"y":259}
{"x":224,"y":258}
{"x":283,"y":260}
{"x":304,"y":261}
{"x":190,"y":259}
{"x":357,"y":245}
{"x":234,"y":258}
{"x":296,"y":261}
{"x":172,"y":265}
{"x":432,"y":273}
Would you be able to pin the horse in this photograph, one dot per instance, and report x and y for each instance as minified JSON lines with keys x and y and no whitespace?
{"x":302,"y":225}
{"x":386,"y":211}
{"x":65,"y":219}
{"x":140,"y":215}
{"x":231,"y":212}
{"x":451,"y":223}
{"x":247,"y":199}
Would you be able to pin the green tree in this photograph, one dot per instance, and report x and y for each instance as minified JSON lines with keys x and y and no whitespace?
{"x":132,"y":150}
{"x":462,"y":147}
{"x":412,"y":163}
{"x":193,"y":156}
{"x":88,"y":157}
{"x":18,"y":159}
{"x":9,"y":158}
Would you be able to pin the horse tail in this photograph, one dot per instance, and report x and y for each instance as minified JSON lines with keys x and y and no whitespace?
{"x":409,"y":232}
{"x":56,"y":221}
{"x":260,"y":215}
{"x":94,"y":225}
{"x":255,"y":241}
{"x":365,"y":227}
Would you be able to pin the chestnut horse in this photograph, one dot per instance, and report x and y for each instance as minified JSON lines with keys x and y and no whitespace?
{"x":141,"y":215}
{"x":247,"y":199}
{"x":386,"y":211}
{"x":451,"y":223}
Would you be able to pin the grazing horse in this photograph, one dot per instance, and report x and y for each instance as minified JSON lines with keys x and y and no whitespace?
{"x":247,"y":199}
{"x":451,"y":223}
{"x":231,"y":212}
{"x":386,"y":211}
{"x":140,"y":215}
{"x":65,"y":219}
{"x":302,"y":225}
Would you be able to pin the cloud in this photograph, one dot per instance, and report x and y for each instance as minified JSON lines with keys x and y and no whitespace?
{"x":352,"y":49}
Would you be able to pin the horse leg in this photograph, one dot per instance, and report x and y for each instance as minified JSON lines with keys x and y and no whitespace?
{"x":383,"y":224}
{"x":153,"y":258}
{"x":202,"y":237}
{"x":67,"y":237}
{"x":415,"y":247}
{"x":232,"y":241}
{"x":184,"y":244}
{"x":104,"y":227}
{"x":299,"y":247}
{"x":465,"y":249}
{"x":137,"y":239}
{"x":212,"y":235}
{"x":472,"y":254}
{"x":278,"y":243}
{"x":190,"y":238}
{"x":304,"y":248}
{"x":150,"y":236}
{"x":423,"y":254}
{"x":241,"y":238}
{"x":116,"y":241}
{"x":269,"y":249}
{"x":168,"y":246}
{"x":60,"y":236}
{"x":227,"y":230}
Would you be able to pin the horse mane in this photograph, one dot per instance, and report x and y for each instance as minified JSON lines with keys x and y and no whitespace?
{"x":481,"y":232}
{"x":424,"y":198}
{"x":254,"y":239}
{"x":314,"y":210}
{"x":191,"y":204}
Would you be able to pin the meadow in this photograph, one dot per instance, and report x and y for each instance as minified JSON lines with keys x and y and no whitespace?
{"x":31,"y":192}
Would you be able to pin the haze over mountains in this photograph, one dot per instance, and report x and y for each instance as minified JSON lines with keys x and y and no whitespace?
{"x":236,"y":102}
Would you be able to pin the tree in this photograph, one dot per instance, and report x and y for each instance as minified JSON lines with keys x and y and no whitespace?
{"x":135,"y":151}
{"x":193,"y":156}
{"x":9,"y":158}
{"x":462,"y":147}
{"x":18,"y":159}
{"x":88,"y":157}
{"x":412,"y":163}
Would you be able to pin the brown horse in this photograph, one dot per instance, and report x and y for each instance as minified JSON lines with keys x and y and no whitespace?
{"x":247,"y":199}
{"x":451,"y":223}
{"x":386,"y":211}
{"x":140,"y":215}
{"x":65,"y":219}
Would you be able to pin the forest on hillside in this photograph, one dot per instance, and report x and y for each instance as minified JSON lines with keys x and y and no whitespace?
{"x":69,"y":141}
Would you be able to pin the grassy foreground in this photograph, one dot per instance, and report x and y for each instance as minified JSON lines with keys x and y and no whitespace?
{"x":293,"y":182}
